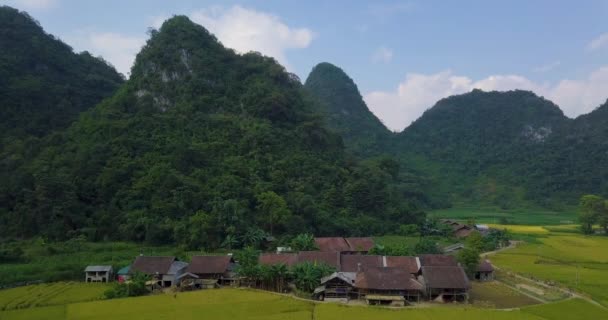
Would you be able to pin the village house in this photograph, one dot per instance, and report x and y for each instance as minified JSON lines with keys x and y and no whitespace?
{"x":337,"y":287}
{"x":98,"y":274}
{"x":331,"y":259}
{"x":485,"y":271}
{"x":394,"y":286}
{"x":206,"y":272}
{"x":445,"y":283}
{"x":164,"y":270}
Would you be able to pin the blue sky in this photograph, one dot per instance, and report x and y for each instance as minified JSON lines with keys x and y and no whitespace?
{"x":404,"y":55}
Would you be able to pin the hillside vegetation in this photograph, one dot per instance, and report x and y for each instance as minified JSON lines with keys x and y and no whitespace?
{"x":202,"y":145}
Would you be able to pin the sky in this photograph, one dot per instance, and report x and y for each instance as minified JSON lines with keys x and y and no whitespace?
{"x":403,"y":55}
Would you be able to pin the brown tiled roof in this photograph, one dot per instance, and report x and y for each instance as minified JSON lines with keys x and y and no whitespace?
{"x":437,"y":260}
{"x":288,"y":259}
{"x":485,"y":266}
{"x":331,"y":259}
{"x":209,"y":264}
{"x":332,"y":244}
{"x":386,"y":279}
{"x":360,"y":244}
{"x":445,"y":277}
{"x":152,"y":265}
{"x":408,"y":263}
{"x":463,"y":233}
{"x":351,"y":262}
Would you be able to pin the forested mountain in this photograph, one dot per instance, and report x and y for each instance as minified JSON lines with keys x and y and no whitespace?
{"x":346,"y":112}
{"x":203,"y":146}
{"x":506,"y":149}
{"x":44,"y":85}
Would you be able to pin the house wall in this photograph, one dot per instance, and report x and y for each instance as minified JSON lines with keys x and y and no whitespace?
{"x":98,"y":277}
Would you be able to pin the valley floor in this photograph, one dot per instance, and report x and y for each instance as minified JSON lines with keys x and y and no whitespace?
{"x":248,"y":304}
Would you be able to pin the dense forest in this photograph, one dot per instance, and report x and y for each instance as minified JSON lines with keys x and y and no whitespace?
{"x":202,"y":146}
{"x":504,"y":149}
{"x":205,"y":147}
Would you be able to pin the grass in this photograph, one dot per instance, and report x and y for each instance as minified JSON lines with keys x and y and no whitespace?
{"x":397,"y":241}
{"x":519,"y":216}
{"x":49,"y":262}
{"x":570,"y":260}
{"x":58,"y":293}
{"x":245,"y":304}
{"x":496,"y":295}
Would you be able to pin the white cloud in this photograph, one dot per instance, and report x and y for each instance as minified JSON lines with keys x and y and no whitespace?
{"x":249,"y":30}
{"x":118,"y":49}
{"x":418,"y":92}
{"x":599,"y":42}
{"x":33,"y":4}
{"x":547,"y":67}
{"x":382,"y":55}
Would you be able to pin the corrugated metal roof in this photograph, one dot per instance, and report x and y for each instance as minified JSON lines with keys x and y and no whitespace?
{"x":288,"y":259}
{"x":408,"y":263}
{"x":209,"y":264}
{"x":152,"y":265}
{"x":386,"y":279}
{"x":360,"y":243}
{"x":123,"y":270}
{"x":433,"y":260}
{"x":356,"y":262}
{"x":332,"y":244}
{"x":445,"y":277}
{"x":98,"y":268}
{"x":177,"y":266}
{"x":348,"y":277}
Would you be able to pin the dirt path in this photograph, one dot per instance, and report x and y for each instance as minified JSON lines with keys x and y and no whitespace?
{"x":572,"y":294}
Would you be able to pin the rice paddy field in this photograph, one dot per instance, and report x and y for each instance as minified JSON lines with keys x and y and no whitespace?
{"x":245,"y":304}
{"x":567,"y":259}
{"x":58,"y":293}
{"x":497,"y":295}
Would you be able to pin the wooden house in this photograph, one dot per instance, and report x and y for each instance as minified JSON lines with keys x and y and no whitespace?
{"x":445,"y":283}
{"x":339,"y":286}
{"x":353,"y":245}
{"x":98,"y":274}
{"x":392,"y":286}
{"x":210,"y":271}
{"x":164,"y":270}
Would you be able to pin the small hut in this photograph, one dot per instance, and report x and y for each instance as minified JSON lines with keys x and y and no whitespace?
{"x":98,"y":274}
{"x":485,"y":271}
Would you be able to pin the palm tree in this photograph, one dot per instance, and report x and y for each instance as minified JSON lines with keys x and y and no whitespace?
{"x":230,"y":242}
{"x":303,"y":242}
{"x":279,"y":274}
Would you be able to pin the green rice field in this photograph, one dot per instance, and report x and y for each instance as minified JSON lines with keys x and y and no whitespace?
{"x":516,"y":216}
{"x":245,"y":304}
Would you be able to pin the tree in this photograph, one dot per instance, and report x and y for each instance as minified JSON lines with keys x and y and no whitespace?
{"x":303,"y":242}
{"x":469,"y":259}
{"x":307,"y":276}
{"x":273,"y":209}
{"x":589,"y":212}
{"x":426,"y":246}
{"x":475,"y":241}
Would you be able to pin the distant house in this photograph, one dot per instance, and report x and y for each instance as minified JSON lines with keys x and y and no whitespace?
{"x":453,"y":248}
{"x":210,"y":271}
{"x":445,"y":283}
{"x":98,"y":274}
{"x":485,"y":271}
{"x":353,"y":245}
{"x":339,"y":287}
{"x":164,"y":270}
{"x":391,"y":286}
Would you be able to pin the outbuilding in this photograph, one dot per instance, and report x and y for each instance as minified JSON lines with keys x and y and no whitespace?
{"x":98,"y":274}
